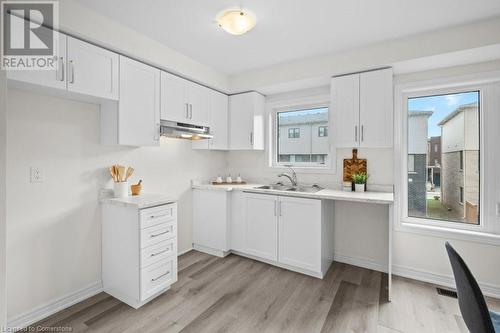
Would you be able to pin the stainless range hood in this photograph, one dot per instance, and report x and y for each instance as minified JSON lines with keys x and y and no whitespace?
{"x":177,"y":130}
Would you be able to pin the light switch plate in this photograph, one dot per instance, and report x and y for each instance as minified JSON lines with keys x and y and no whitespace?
{"x":36,"y":175}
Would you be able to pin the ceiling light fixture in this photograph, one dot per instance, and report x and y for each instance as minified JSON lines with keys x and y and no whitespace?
{"x":236,"y":21}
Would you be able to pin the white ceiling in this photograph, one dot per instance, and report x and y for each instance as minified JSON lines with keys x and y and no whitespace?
{"x":286,"y":29}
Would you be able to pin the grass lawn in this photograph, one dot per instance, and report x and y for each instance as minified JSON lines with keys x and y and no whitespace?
{"x":437,"y":210}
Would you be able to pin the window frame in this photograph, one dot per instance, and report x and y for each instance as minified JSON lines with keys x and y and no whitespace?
{"x":403,"y":204}
{"x":325,"y":131}
{"x":294,"y":131}
{"x":330,"y":161}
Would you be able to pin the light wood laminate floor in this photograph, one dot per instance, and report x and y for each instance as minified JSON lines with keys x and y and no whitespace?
{"x":236,"y":294}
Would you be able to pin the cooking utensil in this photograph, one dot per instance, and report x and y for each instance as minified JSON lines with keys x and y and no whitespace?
{"x":130,"y":172}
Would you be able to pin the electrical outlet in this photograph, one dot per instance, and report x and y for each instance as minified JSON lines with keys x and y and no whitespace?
{"x":36,"y":175}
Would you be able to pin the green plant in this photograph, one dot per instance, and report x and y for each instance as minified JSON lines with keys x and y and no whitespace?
{"x":360,"y":178}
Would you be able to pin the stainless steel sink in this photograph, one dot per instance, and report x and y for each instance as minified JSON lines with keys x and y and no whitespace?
{"x":279,"y":187}
{"x":276,"y":187}
{"x":305,"y":189}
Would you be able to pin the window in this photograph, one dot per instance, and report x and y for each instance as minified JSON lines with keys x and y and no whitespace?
{"x":440,"y":193}
{"x":294,"y":133}
{"x":303,"y":143}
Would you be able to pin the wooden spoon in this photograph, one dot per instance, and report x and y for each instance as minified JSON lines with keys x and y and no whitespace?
{"x":130,"y":172}
{"x":121,"y":173}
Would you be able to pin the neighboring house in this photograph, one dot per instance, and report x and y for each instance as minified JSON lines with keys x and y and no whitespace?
{"x":434,"y":161}
{"x":303,"y":138}
{"x":417,"y":162}
{"x":460,"y":161}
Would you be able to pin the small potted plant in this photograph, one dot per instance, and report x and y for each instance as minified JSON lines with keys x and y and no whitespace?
{"x":359,"y":180}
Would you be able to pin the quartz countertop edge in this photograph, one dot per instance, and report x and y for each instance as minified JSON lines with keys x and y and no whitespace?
{"x":328,"y":194}
{"x":140,"y":201}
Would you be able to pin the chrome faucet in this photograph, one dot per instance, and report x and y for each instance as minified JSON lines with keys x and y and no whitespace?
{"x":292,"y":178}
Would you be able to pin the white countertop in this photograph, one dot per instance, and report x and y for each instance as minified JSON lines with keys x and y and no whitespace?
{"x":140,"y":201}
{"x":366,"y":197}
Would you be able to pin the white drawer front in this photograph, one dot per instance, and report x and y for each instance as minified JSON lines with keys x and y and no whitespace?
{"x":157,"y":277}
{"x":156,"y":215}
{"x":158,"y":252}
{"x":158,"y":233}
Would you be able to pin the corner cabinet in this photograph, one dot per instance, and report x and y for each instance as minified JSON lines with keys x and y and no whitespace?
{"x":362,"y":106}
{"x":135,"y":119}
{"x":246,"y":121}
{"x":218,"y":120}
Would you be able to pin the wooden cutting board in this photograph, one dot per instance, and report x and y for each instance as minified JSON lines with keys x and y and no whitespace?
{"x":353,"y":165}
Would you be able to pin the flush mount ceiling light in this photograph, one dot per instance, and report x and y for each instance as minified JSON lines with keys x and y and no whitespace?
{"x":236,"y":21}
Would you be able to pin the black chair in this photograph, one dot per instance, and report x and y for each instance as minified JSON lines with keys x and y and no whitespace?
{"x":474,"y":310}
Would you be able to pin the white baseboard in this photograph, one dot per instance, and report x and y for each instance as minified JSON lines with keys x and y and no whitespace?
{"x":23,"y":320}
{"x":184,"y":251}
{"x":415,"y":274}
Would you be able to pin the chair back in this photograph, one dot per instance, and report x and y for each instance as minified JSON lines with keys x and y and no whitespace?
{"x":470,"y":298}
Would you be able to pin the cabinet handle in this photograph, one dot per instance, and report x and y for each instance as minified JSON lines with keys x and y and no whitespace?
{"x":275,"y":208}
{"x":72,"y":65}
{"x":187,"y":111}
{"x":362,"y":133}
{"x":190,"y":111}
{"x":158,"y":216}
{"x":158,"y":253}
{"x":159,"y":277}
{"x":279,"y":208}
{"x":355,"y":133}
{"x":161,"y":233}
{"x":251,"y":138}
{"x":60,"y":69}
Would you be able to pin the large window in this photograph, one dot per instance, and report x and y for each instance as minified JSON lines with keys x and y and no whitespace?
{"x":302,"y":137}
{"x":443,"y":184}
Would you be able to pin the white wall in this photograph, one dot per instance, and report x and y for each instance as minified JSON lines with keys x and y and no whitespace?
{"x":453,"y":134}
{"x":417,"y":133}
{"x":54,"y":227}
{"x":3,"y":158}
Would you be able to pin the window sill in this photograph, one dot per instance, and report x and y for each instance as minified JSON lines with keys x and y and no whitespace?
{"x":304,"y":169}
{"x":450,"y":233}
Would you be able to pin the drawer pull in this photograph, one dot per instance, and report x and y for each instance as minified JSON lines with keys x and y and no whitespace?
{"x":161,"y":233}
{"x":158,"y":216}
{"x":159,"y":277}
{"x":158,"y":253}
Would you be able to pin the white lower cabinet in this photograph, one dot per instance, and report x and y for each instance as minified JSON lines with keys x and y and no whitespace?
{"x":290,"y":232}
{"x":139,"y":251}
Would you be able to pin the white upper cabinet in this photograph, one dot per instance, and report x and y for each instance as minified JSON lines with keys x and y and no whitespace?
{"x":376,"y":108}
{"x":174,"y":104}
{"x":92,"y":70}
{"x":362,"y":105}
{"x":246,"y":121}
{"x":218,"y":119}
{"x":135,"y":119}
{"x":47,"y":78}
{"x":184,"y":101}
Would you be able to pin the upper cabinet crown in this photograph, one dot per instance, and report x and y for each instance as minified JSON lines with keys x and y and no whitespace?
{"x":184,"y":101}
{"x":246,"y":121}
{"x":362,"y":106}
{"x":81,"y":68}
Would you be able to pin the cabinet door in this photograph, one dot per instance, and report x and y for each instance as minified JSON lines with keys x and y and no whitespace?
{"x":345,"y":110}
{"x":261,"y":226}
{"x":139,"y":105}
{"x":240,"y":122}
{"x":48,"y":78}
{"x":92,"y":70}
{"x":174,"y":104}
{"x":199,"y":104}
{"x":218,"y":123}
{"x":210,"y":219}
{"x":376,"y":105}
{"x":300,"y":232}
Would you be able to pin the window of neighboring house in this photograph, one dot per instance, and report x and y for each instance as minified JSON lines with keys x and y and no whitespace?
{"x":411,"y":163}
{"x":454,"y":118}
{"x":300,"y":146}
{"x":294,"y":133}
